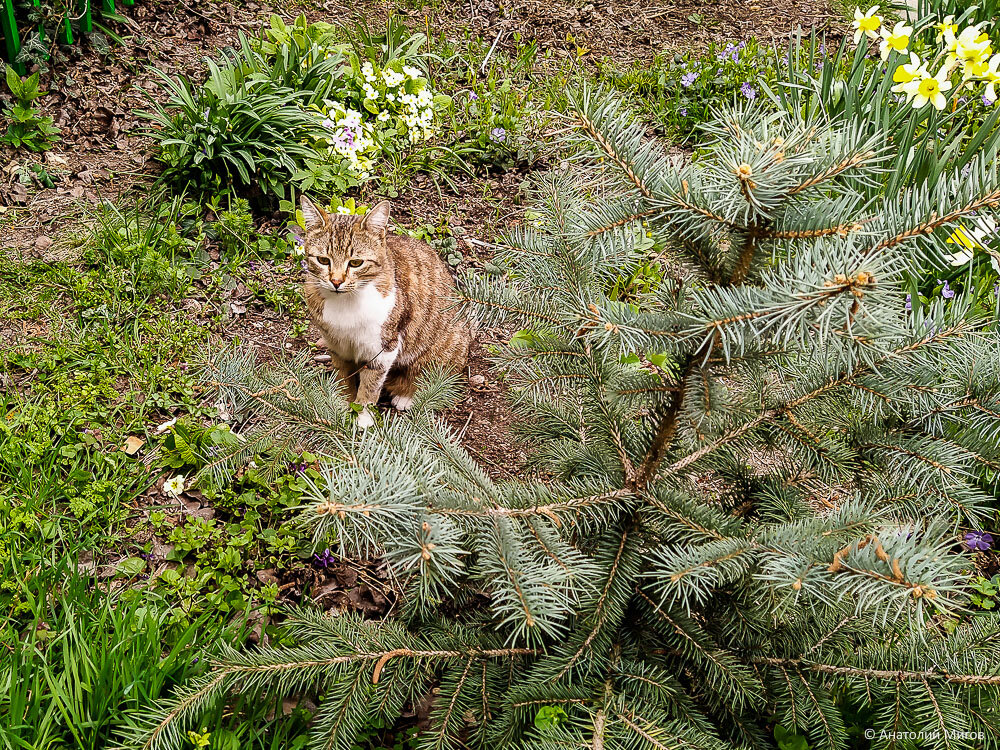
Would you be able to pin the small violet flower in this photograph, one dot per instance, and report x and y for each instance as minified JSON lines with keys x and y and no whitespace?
{"x":473,"y":97}
{"x":498,"y":135}
{"x":688,"y":79}
{"x":909,"y":301}
{"x":987,"y":101}
{"x":731,"y":52}
{"x":947,"y":292}
{"x":978,"y":540}
{"x":748,"y":91}
{"x":324,"y":560}
{"x":682,"y":111}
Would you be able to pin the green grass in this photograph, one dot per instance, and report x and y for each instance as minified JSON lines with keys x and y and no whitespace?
{"x":86,"y":635}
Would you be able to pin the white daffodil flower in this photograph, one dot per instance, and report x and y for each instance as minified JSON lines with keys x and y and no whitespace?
{"x":896,"y":40}
{"x":930,"y":89}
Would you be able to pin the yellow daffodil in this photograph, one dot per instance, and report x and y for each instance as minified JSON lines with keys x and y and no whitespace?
{"x":866,"y":23}
{"x":946,"y":27}
{"x":896,"y":40}
{"x":965,"y":239}
{"x":975,"y":69}
{"x":970,"y":47}
{"x":992,"y":76}
{"x":907,"y":72}
{"x":970,"y":238}
{"x":927,"y":88}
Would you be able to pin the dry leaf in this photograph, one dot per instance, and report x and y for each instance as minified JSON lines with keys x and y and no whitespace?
{"x":132,"y":445}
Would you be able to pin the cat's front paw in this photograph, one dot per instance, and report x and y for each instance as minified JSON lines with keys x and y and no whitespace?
{"x":402,"y":403}
{"x":365,"y":419}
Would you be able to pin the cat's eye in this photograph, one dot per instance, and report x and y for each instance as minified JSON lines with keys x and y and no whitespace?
{"x":323,"y":261}
{"x":355,"y":262}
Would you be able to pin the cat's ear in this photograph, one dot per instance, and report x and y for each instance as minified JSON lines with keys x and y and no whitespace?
{"x":376,"y":220}
{"x":313,"y":214}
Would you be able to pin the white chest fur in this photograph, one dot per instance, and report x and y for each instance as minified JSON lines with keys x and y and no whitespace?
{"x":353,"y":322}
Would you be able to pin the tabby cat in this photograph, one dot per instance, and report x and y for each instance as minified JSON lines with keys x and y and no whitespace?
{"x":383,"y":304}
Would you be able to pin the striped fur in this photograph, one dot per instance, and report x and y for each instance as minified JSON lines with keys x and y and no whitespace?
{"x":383,"y":304}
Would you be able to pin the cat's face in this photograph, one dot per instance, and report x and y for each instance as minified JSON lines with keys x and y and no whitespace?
{"x":344,"y":253}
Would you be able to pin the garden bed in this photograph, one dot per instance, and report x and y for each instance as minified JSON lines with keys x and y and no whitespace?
{"x":115,"y":287}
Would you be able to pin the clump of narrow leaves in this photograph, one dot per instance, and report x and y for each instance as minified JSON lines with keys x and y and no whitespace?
{"x":753,"y":462}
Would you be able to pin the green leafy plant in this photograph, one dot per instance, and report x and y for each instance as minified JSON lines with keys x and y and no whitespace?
{"x":294,"y":111}
{"x":235,"y":129}
{"x":789,"y":740}
{"x":760,"y":532}
{"x":53,"y":33}
{"x":986,"y":590}
{"x":27,"y":126}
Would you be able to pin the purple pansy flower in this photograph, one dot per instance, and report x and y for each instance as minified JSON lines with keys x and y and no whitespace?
{"x":324,"y":560}
{"x":688,"y":79}
{"x":498,"y":135}
{"x":978,"y":540}
{"x":947,"y":292}
{"x":748,"y":91}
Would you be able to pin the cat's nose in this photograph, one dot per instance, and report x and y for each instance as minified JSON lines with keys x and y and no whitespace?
{"x":336,"y":282}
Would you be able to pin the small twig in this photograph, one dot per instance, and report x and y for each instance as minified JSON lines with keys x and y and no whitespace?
{"x":486,"y":60}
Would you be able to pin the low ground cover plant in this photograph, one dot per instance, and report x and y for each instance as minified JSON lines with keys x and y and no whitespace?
{"x":758,"y":529}
{"x":89,"y":628}
{"x":679,"y":91}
